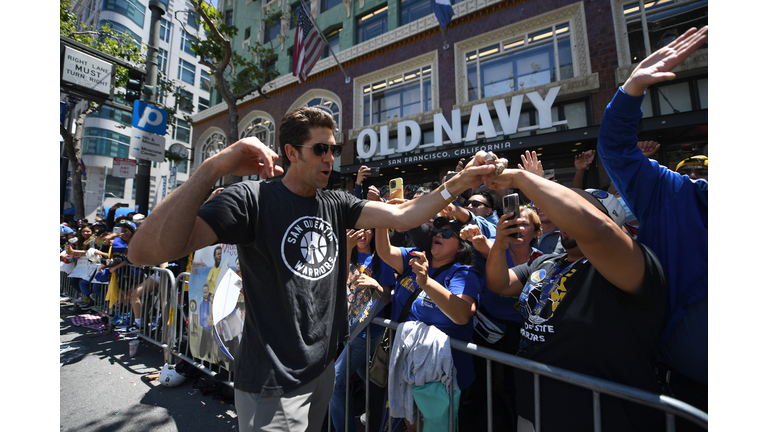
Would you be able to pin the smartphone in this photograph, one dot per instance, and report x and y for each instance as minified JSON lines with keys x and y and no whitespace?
{"x":374,"y":171}
{"x":123,"y":205}
{"x":396,"y":188}
{"x":512,"y":205}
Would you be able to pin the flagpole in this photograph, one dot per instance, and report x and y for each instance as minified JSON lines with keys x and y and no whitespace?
{"x":442,"y":33}
{"x":311,"y":18}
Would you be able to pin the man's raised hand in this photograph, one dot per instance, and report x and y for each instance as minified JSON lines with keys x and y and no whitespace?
{"x":648,"y":147}
{"x":658,"y":66}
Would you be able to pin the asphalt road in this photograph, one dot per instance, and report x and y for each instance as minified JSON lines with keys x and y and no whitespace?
{"x":100,"y":389}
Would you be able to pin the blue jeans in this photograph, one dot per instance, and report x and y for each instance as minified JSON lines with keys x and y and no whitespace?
{"x":358,"y":362}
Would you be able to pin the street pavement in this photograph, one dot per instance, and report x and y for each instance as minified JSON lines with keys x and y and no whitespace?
{"x":101,"y":389}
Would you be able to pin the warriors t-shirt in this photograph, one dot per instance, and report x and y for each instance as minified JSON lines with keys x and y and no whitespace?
{"x":575,"y":319}
{"x":293,"y":282}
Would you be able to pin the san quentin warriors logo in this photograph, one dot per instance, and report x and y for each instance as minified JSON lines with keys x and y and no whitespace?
{"x":310,"y":248}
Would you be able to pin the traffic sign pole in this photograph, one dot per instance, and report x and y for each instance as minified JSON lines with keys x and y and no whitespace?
{"x":143,"y":168}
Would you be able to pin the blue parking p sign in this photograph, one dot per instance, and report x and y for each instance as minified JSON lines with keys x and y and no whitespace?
{"x":149,"y":118}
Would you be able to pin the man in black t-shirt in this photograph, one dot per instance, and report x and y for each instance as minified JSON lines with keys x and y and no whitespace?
{"x":287,"y":236}
{"x":596,"y":309}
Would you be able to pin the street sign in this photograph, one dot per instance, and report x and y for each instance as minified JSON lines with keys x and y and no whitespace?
{"x":149,"y":118}
{"x":146,"y":145}
{"x":122,"y":167}
{"x":87,"y":72}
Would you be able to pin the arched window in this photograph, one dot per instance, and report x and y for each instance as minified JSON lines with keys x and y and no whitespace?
{"x":264,"y":130}
{"x":214,"y":144}
{"x":328,"y":105}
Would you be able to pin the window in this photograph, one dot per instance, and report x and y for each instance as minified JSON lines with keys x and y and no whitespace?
{"x":186,"y":72}
{"x":202,"y":104}
{"x":181,"y":167}
{"x":214,"y":144}
{"x":184,"y":100}
{"x":186,"y":43}
{"x":411,"y":10}
{"x":205,"y":80}
{"x":329,"y":4}
{"x":271,"y":66}
{"x":104,"y":142}
{"x":398,"y":96}
{"x":181,"y":131}
{"x":131,"y":9}
{"x":121,"y":29}
{"x":665,"y":20}
{"x":676,"y":96}
{"x":228,"y":17}
{"x":523,"y":62}
{"x":123,"y":117}
{"x":162,"y":59}
{"x":165,"y":30}
{"x":328,"y":105}
{"x":333,"y":43}
{"x":372,"y":25}
{"x":247,"y":33}
{"x":263,"y":129}
{"x":115,"y":185}
{"x":191,"y":17}
{"x":273,"y":30}
{"x":295,"y":12}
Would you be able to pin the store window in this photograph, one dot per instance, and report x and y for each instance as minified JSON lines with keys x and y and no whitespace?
{"x":653,"y":24}
{"x":131,"y":9}
{"x":398,"y":96}
{"x":523,"y":62}
{"x":371,"y":25}
{"x":411,"y":10}
{"x":186,"y":72}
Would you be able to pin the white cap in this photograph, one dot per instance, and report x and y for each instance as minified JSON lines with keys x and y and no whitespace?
{"x":611,"y":204}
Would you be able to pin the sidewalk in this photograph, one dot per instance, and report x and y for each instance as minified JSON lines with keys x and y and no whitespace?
{"x":101,"y":388}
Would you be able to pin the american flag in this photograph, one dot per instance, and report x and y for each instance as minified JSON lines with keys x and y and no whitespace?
{"x":307,"y":47}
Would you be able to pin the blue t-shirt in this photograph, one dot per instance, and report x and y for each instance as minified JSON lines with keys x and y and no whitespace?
{"x":459,"y":279}
{"x":385,"y":276}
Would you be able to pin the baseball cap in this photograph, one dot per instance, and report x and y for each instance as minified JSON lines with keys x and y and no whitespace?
{"x":604,"y":201}
{"x":130,"y":226}
{"x":455,"y":225}
{"x":699,"y":161}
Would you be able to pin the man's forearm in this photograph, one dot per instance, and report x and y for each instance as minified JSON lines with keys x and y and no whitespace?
{"x":415,"y":212}
{"x":167,"y":233}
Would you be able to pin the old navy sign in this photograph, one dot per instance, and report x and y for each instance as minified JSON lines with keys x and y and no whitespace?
{"x":480,"y":121}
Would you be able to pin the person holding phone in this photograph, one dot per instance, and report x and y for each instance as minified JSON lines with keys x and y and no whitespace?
{"x":362,"y":173}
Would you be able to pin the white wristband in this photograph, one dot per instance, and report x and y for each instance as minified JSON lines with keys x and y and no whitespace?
{"x":445,"y":194}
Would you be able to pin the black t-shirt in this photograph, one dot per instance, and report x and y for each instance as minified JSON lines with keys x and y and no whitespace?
{"x":588,"y":325}
{"x":294,"y":288}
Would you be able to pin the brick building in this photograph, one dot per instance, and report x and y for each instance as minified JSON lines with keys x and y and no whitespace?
{"x":508,"y":76}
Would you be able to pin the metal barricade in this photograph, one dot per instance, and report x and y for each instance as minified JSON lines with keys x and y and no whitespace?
{"x":670,"y":406}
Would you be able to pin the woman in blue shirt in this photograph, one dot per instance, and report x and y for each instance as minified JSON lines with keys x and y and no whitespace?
{"x":451,"y":286}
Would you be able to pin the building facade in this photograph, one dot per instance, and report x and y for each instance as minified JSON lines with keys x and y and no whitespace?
{"x":506,"y":76}
{"x":107,"y":132}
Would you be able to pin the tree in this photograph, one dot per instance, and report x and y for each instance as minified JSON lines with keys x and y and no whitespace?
{"x":236,"y":76}
{"x":117,"y":45}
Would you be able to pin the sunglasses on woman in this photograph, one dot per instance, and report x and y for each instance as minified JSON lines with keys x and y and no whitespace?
{"x":445,"y":232}
{"x":321,"y":149}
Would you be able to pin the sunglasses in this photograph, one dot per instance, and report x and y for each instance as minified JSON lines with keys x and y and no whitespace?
{"x":476,"y":204}
{"x":321,"y":149}
{"x":445,"y":232}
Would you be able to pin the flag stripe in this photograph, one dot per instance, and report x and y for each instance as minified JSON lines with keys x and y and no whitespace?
{"x":308,"y":46}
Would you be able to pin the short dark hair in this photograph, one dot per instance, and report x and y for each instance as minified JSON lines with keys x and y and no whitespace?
{"x":488,"y":197}
{"x":295,"y":126}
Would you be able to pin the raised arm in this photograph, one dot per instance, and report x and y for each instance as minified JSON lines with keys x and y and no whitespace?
{"x":498,"y":276}
{"x":388,"y":253}
{"x":173,"y":229}
{"x":415,"y":212}
{"x":613,"y":253}
{"x":640,"y":181}
{"x":459,"y":308}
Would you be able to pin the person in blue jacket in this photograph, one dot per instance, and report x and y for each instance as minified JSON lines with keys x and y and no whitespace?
{"x":672,"y":211}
